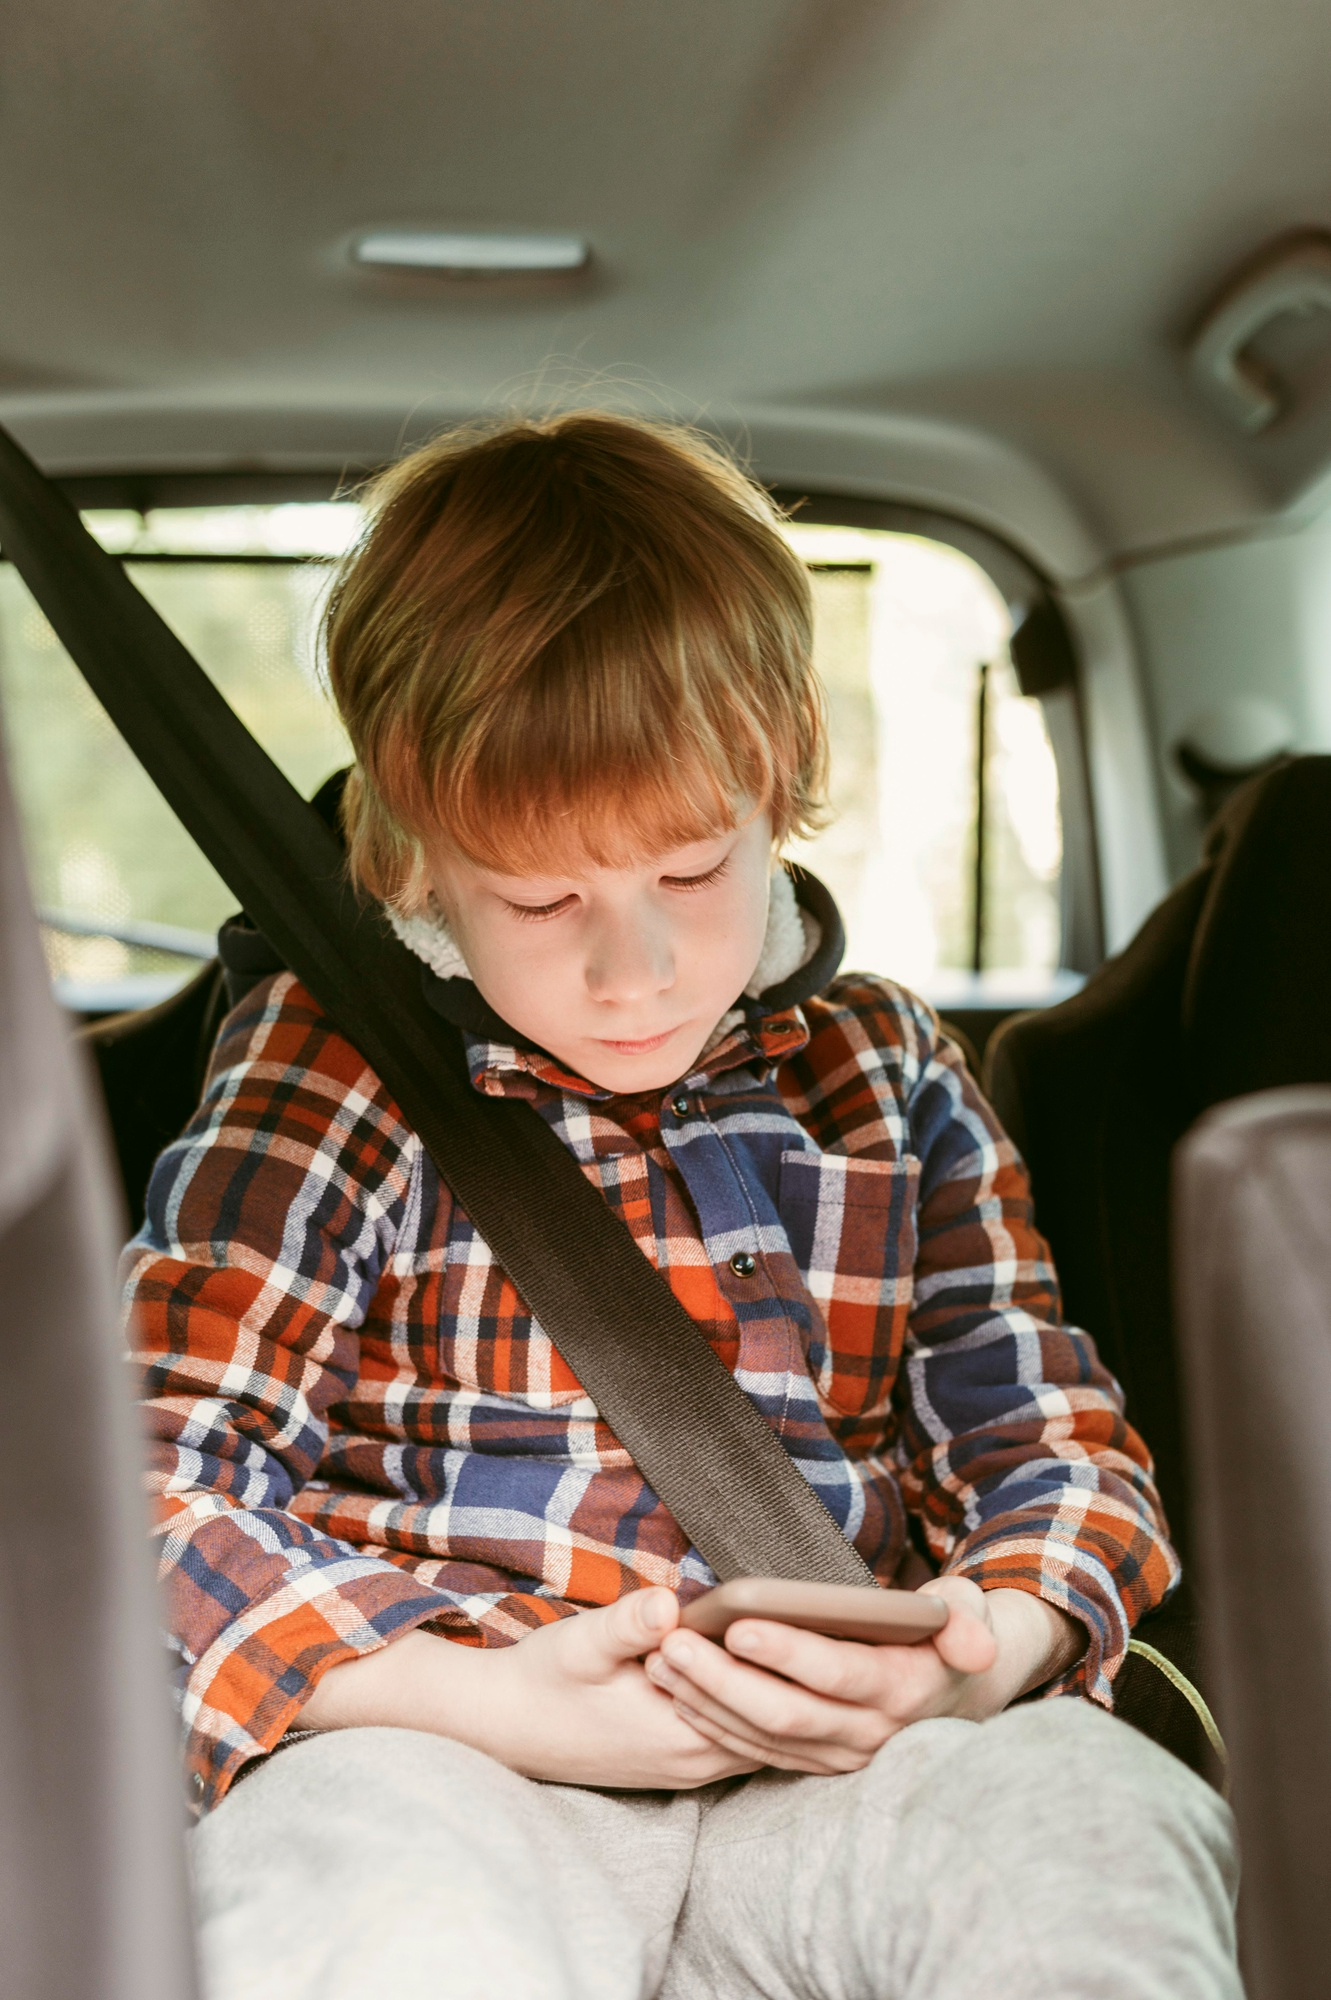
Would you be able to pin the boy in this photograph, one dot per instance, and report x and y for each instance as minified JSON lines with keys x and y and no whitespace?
{"x":574,"y":659}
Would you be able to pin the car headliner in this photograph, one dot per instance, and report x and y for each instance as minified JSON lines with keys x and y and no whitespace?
{"x":947,"y":250}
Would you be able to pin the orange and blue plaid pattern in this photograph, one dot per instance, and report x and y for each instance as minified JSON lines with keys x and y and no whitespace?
{"x":357,"y":1428}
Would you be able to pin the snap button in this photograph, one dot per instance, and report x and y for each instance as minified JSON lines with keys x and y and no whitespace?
{"x":743,"y":1264}
{"x":680,"y":1105}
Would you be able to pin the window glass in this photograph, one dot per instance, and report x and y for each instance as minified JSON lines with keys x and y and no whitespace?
{"x":907,"y":634}
{"x":907,"y":631}
{"x":103,"y":847}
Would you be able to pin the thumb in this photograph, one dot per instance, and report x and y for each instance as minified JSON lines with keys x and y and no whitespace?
{"x":967,"y":1642}
{"x":636,"y":1624}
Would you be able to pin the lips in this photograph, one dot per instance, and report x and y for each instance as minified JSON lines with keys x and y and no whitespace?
{"x":643,"y":1048}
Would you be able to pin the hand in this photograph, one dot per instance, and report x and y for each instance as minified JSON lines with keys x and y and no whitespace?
{"x":570,"y":1703}
{"x":802,"y":1702}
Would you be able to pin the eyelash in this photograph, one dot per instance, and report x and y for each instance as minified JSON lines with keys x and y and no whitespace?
{"x":698,"y":881}
{"x":534,"y":913}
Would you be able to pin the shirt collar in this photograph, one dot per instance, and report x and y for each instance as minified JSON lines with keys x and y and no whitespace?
{"x":513,"y":1068}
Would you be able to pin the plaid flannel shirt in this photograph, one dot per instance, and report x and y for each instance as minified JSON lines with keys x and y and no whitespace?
{"x":357,"y":1428}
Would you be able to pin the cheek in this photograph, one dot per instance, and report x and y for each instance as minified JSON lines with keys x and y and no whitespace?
{"x":727,"y":937}
{"x":514,"y":958}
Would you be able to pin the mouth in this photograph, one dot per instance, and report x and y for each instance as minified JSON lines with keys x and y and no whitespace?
{"x":643,"y":1048}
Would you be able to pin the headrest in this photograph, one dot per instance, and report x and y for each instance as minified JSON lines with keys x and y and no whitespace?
{"x":1257,"y":998}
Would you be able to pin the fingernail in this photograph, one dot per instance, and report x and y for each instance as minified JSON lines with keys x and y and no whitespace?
{"x":745,"y":1642}
{"x":654,"y":1614}
{"x":681,"y":1653}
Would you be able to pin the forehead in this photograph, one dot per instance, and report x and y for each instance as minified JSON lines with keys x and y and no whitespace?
{"x":571,"y":862}
{"x":574,"y":864}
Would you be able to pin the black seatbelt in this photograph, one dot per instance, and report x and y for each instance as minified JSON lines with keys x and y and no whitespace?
{"x":692,"y":1432}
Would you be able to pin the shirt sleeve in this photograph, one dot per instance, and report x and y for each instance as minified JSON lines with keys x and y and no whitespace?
{"x":1017,"y":1457}
{"x":268,"y":1224}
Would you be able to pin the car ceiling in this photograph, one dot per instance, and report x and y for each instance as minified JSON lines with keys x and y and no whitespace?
{"x":887,"y":246}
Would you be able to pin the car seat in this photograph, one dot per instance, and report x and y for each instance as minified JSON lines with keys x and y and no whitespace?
{"x":1224,"y":991}
{"x":93,"y":1898}
{"x":1253,"y":1284}
{"x":153,"y":1063}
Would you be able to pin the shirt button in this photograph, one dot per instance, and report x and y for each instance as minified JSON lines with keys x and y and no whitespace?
{"x":680,"y":1106}
{"x":743,"y":1264}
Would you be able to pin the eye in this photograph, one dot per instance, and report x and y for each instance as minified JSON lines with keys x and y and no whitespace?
{"x":697,"y":881}
{"x":532,"y":913}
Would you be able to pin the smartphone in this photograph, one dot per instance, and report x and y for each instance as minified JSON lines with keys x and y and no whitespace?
{"x":840,"y":1610}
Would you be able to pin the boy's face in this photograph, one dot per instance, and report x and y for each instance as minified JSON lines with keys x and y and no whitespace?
{"x":621,"y":973}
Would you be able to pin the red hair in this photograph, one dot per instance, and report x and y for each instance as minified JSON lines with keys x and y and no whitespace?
{"x":583,"y":638}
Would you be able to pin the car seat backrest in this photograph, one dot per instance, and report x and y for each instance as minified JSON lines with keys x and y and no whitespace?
{"x":1257,"y":998}
{"x":1253,"y":1194}
{"x":1092,"y":1092}
{"x":92,"y":1863}
{"x":1223,"y":991}
{"x":152,"y":1066}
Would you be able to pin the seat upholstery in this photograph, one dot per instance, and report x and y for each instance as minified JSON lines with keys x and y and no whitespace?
{"x":1224,"y":991}
{"x":152,"y":1066}
{"x":1253,"y":1197}
{"x":93,"y":1896}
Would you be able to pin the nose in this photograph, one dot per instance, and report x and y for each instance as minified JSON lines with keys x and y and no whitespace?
{"x":630,"y":958}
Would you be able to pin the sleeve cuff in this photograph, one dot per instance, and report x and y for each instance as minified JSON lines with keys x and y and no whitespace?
{"x":247,"y":1689}
{"x":1084,"y":1591}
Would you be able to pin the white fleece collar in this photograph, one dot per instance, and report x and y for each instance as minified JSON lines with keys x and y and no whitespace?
{"x":791,"y":940}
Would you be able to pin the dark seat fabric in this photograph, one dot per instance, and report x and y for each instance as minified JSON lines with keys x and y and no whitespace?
{"x":1257,"y":1000}
{"x":1225,"y":990}
{"x":152,"y":1063}
{"x":152,"y":1066}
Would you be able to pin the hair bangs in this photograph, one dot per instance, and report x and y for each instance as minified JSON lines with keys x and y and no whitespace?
{"x":571,"y":643}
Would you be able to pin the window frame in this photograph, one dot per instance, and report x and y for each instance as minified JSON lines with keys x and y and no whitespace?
{"x":1047,"y":666}
{"x":1043,"y":648}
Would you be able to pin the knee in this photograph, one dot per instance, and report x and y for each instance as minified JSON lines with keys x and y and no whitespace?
{"x":1085,"y":1777}
{"x":1049,"y":1837}
{"x":353,"y":1861}
{"x":380,"y":1792}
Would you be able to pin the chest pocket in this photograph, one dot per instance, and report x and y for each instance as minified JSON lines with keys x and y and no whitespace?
{"x":852,"y":1228}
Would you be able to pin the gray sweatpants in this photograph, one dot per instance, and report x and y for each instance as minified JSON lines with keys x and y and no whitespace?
{"x":1049,"y":1854}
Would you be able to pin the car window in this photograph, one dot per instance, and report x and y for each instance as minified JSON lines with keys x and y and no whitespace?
{"x":109,"y":862}
{"x":944,"y":850}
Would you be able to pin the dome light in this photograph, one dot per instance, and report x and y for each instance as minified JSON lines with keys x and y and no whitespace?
{"x":466,"y":253}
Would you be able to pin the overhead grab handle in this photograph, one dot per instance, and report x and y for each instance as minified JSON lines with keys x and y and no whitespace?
{"x":1291,"y":276}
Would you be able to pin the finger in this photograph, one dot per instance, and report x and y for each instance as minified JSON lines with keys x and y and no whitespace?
{"x":781,"y":1757}
{"x":829,"y":1754}
{"x":686,"y":1694}
{"x":841,"y":1669}
{"x":777,"y":1708}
